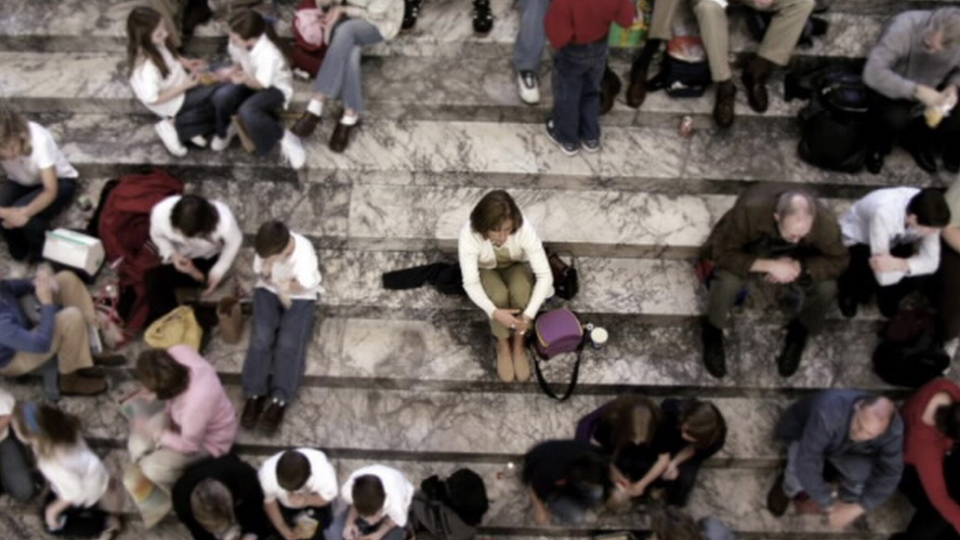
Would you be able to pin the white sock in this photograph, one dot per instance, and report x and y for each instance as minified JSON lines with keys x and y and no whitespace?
{"x":951,"y":347}
{"x":349,"y":120}
{"x":315,"y":107}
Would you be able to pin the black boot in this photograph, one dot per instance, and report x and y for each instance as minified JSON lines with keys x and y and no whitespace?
{"x":724,"y":106}
{"x":714,"y":357}
{"x":411,"y":11}
{"x":482,"y":17}
{"x":637,"y":91}
{"x":755,"y":76}
{"x":610,"y":86}
{"x":874,"y":161}
{"x":789,"y":359}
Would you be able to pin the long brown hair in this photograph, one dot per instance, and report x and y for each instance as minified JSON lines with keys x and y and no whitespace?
{"x":631,"y":417}
{"x":47,"y":425}
{"x":249,"y":24}
{"x":15,"y":127}
{"x":141,"y":23}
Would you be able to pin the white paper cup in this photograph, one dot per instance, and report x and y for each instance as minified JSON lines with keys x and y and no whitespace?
{"x":599,"y":336}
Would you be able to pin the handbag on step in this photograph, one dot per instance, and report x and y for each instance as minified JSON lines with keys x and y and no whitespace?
{"x":179,"y":327}
{"x":566,"y":278}
{"x":556,"y":332}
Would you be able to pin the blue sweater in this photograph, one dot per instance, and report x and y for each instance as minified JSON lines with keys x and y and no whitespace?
{"x":15,"y":332}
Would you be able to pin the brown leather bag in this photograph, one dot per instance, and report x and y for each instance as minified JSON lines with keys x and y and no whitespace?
{"x":230,"y":314}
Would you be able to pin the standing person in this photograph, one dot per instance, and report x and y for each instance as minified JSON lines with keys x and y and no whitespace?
{"x":298,"y":482}
{"x":528,"y":50}
{"x":692,"y":431}
{"x":284,"y":307}
{"x":566,"y":479}
{"x":358,"y":24}
{"x":16,"y":479}
{"x":378,"y":503}
{"x":40,"y":184}
{"x":495,"y":247}
{"x":578,"y":33}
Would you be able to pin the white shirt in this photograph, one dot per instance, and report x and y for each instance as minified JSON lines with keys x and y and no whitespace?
{"x":301,"y":265}
{"x":25,"y":170}
{"x":76,"y":475}
{"x":879,"y":220}
{"x":267,"y":65}
{"x":148,"y":83}
{"x":7,"y":402}
{"x":477,"y":252}
{"x":322,"y":481}
{"x":398,"y":491}
{"x":225,"y":240}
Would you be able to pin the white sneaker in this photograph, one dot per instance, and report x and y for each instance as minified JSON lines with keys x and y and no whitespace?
{"x":292,"y":150}
{"x":529,"y":87}
{"x":200,"y":141}
{"x":168,"y":134}
{"x":219,"y":145}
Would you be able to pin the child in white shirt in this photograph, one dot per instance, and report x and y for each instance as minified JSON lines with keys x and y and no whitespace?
{"x":297,"y":483}
{"x":379,"y":500}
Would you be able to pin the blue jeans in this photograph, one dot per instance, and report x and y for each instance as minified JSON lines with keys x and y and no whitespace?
{"x":572,"y":508}
{"x":335,"y":531}
{"x":27,"y":242}
{"x":197,"y":115}
{"x":258,"y":109}
{"x":277,"y":355}
{"x":532,"y":35}
{"x":339,"y":75}
{"x":577,"y":75}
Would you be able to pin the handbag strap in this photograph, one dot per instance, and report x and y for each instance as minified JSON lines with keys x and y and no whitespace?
{"x":565,"y":253}
{"x":574,"y":377}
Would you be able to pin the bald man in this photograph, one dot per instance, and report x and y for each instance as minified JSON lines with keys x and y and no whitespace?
{"x":860,"y":434}
{"x":783,"y":235}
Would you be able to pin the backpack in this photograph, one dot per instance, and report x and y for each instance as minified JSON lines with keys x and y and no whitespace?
{"x":310,"y":43}
{"x":449,"y":509}
{"x":909,"y":352}
{"x":833,"y":126}
{"x":759,"y":21}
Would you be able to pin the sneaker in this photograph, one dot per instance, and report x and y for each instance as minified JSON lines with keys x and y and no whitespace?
{"x":796,"y":341}
{"x":168,"y":134}
{"x":272,"y":417}
{"x":777,"y":499}
{"x":714,"y":356}
{"x":199,"y":141}
{"x":568,"y":148}
{"x":109,"y":360}
{"x":529,"y":87}
{"x":219,"y":145}
{"x":292,"y":150}
{"x":251,"y":412}
{"x":590,"y":146}
{"x":482,"y":17}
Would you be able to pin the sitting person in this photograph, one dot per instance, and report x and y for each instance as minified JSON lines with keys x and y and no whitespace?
{"x":566,"y":479}
{"x":219,"y":499}
{"x":78,"y":479}
{"x":894,"y":237}
{"x":63,"y":333}
{"x":507,"y":275}
{"x":671,"y":523}
{"x":786,"y":236}
{"x":284,"y":308}
{"x":297,"y":483}
{"x":378,"y":502}
{"x":945,"y":290}
{"x":914,"y":66}
{"x":16,"y":479}
{"x":40,"y":184}
{"x":691,"y":431}
{"x":859,"y":434}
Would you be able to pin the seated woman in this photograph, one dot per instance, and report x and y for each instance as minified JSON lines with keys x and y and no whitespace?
{"x":566,"y":479}
{"x":692,"y":431}
{"x":626,"y":429}
{"x":506,"y":274}
{"x":40,"y":184}
{"x":84,"y":497}
{"x":221,"y":498}
{"x":15,"y":469}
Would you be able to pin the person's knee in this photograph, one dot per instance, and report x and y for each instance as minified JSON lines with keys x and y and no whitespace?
{"x":500,"y":296}
{"x":69,"y":318}
{"x":800,"y":7}
{"x":709,"y":11}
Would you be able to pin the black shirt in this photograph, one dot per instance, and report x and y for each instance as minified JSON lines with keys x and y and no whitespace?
{"x":547,"y":467}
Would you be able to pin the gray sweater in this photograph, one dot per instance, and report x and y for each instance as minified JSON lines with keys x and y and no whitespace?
{"x":899,"y":62}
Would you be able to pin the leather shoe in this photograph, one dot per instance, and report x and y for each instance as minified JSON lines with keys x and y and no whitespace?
{"x":874,"y":161}
{"x":637,"y":91}
{"x":723,"y":108}
{"x":610,"y":86}
{"x":951,"y":162}
{"x":755,"y":80}
{"x":924,"y":158}
{"x":341,"y":136}
{"x":777,"y":500}
{"x":714,"y":357}
{"x":848,"y":305}
{"x":306,"y":125}
{"x":272,"y":417}
{"x":251,"y":412}
{"x":796,"y":341}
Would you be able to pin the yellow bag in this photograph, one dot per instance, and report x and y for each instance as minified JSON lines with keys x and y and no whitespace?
{"x":179,"y":327}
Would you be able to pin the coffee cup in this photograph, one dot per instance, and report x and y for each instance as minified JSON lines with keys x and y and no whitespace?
{"x":598,"y":337}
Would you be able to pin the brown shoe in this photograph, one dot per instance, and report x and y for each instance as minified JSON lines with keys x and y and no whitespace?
{"x":637,"y":92}
{"x":777,"y":499}
{"x":244,"y":135}
{"x":251,"y":412}
{"x":724,"y":107}
{"x":306,"y":125}
{"x":505,"y":363}
{"x":75,"y":384}
{"x":272,"y":417}
{"x":341,"y":136}
{"x":755,"y":80}
{"x":521,"y":365}
{"x":109,"y":360}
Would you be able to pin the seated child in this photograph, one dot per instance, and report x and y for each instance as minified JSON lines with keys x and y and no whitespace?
{"x":379,"y":500}
{"x":296,"y":484}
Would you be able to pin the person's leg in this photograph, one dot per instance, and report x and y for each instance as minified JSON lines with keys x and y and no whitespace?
{"x":226,"y":101}
{"x":724,"y":289}
{"x":71,"y":342}
{"x":678,"y":491}
{"x":887,"y":119}
{"x":531,"y":36}
{"x":715,"y":34}
{"x":857,"y":283}
{"x":197,"y":116}
{"x":926,"y":523}
{"x":267,"y":312}
{"x":10,"y":192}
{"x":567,"y":510}
{"x":495,"y":286}
{"x":519,"y":279}
{"x":34,"y":232}
{"x":293,"y":340}
{"x":164,"y":466}
{"x":335,"y":530}
{"x":789,"y":19}
{"x":791,"y":481}
{"x":568,"y":87}
{"x":15,"y":474}
{"x":854,"y":473}
{"x":819,"y":297}
{"x":589,"y":129}
{"x":363,"y":34}
{"x":348,"y":35}
{"x":74,"y":293}
{"x":259,"y":114}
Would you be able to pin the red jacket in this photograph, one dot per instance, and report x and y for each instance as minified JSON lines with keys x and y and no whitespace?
{"x":586,"y":21}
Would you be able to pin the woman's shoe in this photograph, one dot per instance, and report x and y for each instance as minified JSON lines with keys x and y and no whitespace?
{"x":482,"y":17}
{"x":505,"y":364}
{"x":411,"y":11}
{"x":341,"y":136}
{"x":521,"y":365}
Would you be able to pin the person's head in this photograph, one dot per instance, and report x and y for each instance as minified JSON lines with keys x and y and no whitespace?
{"x":273,"y":239}
{"x":795,"y":213}
{"x":212,"y":506}
{"x":368,"y":495}
{"x":590,"y":468}
{"x":496,"y":217}
{"x":293,"y":470}
{"x":928,"y":212}
{"x":943,"y":30}
{"x":194,"y":217}
{"x":159,"y":373}
{"x":248,"y":26}
{"x":45,"y":427}
{"x":947,"y":420}
{"x":14,"y":135}
{"x":871,"y":418}
{"x":146,"y":31}
{"x":633,"y":419}
{"x":701,"y":423}
{"x":672,"y":523}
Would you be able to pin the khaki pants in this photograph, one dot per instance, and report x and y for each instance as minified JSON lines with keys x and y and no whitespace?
{"x":71,"y":337}
{"x":819,"y":296}
{"x":507,"y":288}
{"x":162,"y":466}
{"x":778,"y":44}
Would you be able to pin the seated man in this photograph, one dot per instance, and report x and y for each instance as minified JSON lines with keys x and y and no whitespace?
{"x":378,"y":500}
{"x":893,"y":235}
{"x":913,"y":67}
{"x":787,"y":236}
{"x":299,"y":482}
{"x":859,"y":434}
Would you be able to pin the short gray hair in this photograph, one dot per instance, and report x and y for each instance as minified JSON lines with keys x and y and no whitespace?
{"x":946,"y":20}
{"x":789,"y":204}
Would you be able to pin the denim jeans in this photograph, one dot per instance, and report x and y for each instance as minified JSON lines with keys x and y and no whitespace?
{"x":277,"y":355}
{"x":577,"y":75}
{"x":27,"y":242}
{"x":532,"y":35}
{"x":258,"y":109}
{"x":197,"y":115}
{"x":571,"y":508}
{"x":854,"y":471}
{"x":335,"y":531}
{"x":339,"y":75}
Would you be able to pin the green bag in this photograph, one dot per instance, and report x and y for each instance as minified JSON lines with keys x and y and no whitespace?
{"x":636,"y":34}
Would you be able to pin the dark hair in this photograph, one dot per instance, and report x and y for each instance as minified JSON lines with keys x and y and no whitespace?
{"x":293,"y":470}
{"x":249,"y":24}
{"x":194,"y":216}
{"x":272,"y":238}
{"x":49,"y":426}
{"x":631,"y":417}
{"x":702,"y":421}
{"x":947,"y":420}
{"x":141,"y":23}
{"x":930,"y":208}
{"x":673,"y":523}
{"x":368,"y":495}
{"x":158,"y":372}
{"x":13,"y":126}
{"x":492,"y":210}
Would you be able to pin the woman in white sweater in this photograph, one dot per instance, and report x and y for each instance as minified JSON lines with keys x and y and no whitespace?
{"x":506,"y":274}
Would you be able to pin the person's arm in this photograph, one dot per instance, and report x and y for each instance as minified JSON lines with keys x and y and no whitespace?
{"x":533,"y":249}
{"x":272,"y":508}
{"x":683,"y":456}
{"x":640,"y":486}
{"x":730,"y":241}
{"x":202,"y":405}
{"x":17,"y":287}
{"x":878,"y":72}
{"x":929,"y":465}
{"x":52,"y":513}
{"x":386,"y":526}
{"x":161,"y":230}
{"x":833,"y":257}
{"x":147,"y":81}
{"x":48,"y":194}
{"x":542,"y":514}
{"x":39,"y":340}
{"x":881,"y":234}
{"x":232,"y":240}
{"x":626,"y":14}
{"x":887,"y":470}
{"x":810,"y":457}
{"x":559,"y":24}
{"x":469,"y":254}
{"x":927,"y":259}
{"x":951,"y":235}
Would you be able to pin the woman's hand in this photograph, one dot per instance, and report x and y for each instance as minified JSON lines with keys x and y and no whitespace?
{"x":524,"y":324}
{"x":507,"y":317}
{"x":52,"y":516}
{"x":195,"y":65}
{"x":672,"y":472}
{"x":15,"y":218}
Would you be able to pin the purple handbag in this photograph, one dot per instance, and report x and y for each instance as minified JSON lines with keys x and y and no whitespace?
{"x":558,"y":331}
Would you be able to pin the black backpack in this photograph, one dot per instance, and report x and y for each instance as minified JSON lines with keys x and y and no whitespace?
{"x":910,"y":353}
{"x":833,"y":126}
{"x":449,"y":509}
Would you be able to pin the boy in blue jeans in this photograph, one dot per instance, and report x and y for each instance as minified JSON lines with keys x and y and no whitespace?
{"x":578,"y":31}
{"x":284,"y":307}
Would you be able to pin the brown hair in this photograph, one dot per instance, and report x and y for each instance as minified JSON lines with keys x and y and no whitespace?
{"x":493,"y":210}
{"x":161,"y":374}
{"x":672,"y":523}
{"x":47,"y":425}
{"x":368,"y":495}
{"x":293,"y":470}
{"x":272,"y":238}
{"x":249,"y":24}
{"x":631,"y":417}
{"x":702,"y":421}
{"x":13,"y":126}
{"x":212,"y":506}
{"x":141,"y":23}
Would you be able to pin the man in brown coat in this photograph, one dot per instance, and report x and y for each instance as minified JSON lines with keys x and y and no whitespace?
{"x":787,"y":236}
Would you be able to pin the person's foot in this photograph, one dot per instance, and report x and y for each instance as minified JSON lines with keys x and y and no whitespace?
{"x":888,"y":305}
{"x":482,"y":17}
{"x":219,"y":145}
{"x":341,"y":134}
{"x":924,"y":158}
{"x":306,"y":125}
{"x":529,"y":87}
{"x":755,"y":76}
{"x":724,"y":110}
{"x":521,"y":362}
{"x":609,"y":88}
{"x":168,"y":135}
{"x":848,"y":305}
{"x":245,"y":139}
{"x":109,"y":360}
{"x":411,"y":11}
{"x":874,"y":161}
{"x":795,"y":343}
{"x":251,"y":412}
{"x":272,"y":417}
{"x":592,"y":146}
{"x":714,"y":357}
{"x":75,"y":384}
{"x":291,"y":148}
{"x":568,"y":149}
{"x":777,"y":499}
{"x":951,"y":162}
{"x":804,"y":505}
{"x":637,"y":91}
{"x":505,"y":361}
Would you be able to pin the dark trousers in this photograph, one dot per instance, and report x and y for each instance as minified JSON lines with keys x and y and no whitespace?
{"x":277,"y":355}
{"x":577,"y":76}
{"x":27,"y":242}
{"x":258,"y":109}
{"x":901,"y":120}
{"x":945,"y":292}
{"x":197,"y":115}
{"x":927,"y":523}
{"x":860,"y":283}
{"x":162,"y":282}
{"x":726,"y":286}
{"x":15,"y":470}
{"x":678,"y":490}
